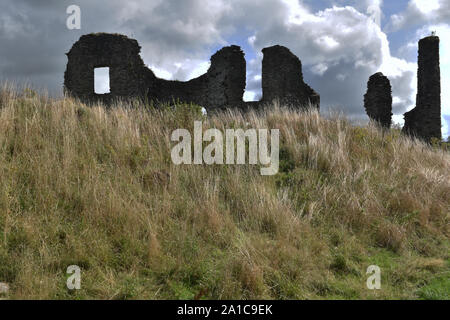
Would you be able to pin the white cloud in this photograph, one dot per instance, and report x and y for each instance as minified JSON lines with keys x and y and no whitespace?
{"x":403,"y":78}
{"x":319,"y":69}
{"x":200,"y":69}
{"x":419,"y":12}
{"x":250,"y":96}
{"x":426,"y":6}
{"x":176,"y":35}
{"x":161,"y":73}
{"x":340,"y":48}
{"x":327,"y":43}
{"x":189,"y":69}
{"x":374,"y":11}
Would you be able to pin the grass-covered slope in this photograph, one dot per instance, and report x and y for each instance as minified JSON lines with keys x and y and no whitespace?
{"x":97,"y":188}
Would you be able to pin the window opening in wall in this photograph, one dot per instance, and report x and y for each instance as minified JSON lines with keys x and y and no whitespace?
{"x":101,"y":80}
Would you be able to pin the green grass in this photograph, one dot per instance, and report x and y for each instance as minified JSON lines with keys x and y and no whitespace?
{"x":438,"y":288}
{"x":96,"y":188}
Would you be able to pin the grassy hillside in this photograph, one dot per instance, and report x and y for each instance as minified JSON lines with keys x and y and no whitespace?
{"x":97,"y":189}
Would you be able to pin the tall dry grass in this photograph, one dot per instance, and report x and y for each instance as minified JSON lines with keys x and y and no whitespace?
{"x":96,"y":187}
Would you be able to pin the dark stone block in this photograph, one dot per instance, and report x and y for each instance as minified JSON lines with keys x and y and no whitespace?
{"x":117,"y":52}
{"x":282,"y":79}
{"x":424,"y":121}
{"x":378,"y":100}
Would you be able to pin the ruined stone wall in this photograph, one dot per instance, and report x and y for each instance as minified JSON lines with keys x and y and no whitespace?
{"x":282,"y":79}
{"x":424,"y":121}
{"x":117,"y":52}
{"x":222,"y":86}
{"x":378,"y":100}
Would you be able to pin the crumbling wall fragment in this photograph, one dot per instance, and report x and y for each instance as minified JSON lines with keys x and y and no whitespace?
{"x":282,"y":79}
{"x":424,"y":121}
{"x":220,"y":87}
{"x":117,"y":52}
{"x":378,"y":100}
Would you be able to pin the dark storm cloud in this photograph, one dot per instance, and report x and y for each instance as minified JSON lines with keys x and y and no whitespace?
{"x":339,"y":47}
{"x":34,"y":37}
{"x":33,"y":40}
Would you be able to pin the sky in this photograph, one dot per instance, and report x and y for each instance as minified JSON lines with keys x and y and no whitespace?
{"x":340,"y":43}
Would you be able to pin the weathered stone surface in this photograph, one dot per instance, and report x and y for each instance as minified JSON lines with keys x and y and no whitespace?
{"x":222,"y":86}
{"x":282,"y":79}
{"x":117,"y":52}
{"x":424,"y":121}
{"x":378,"y":100}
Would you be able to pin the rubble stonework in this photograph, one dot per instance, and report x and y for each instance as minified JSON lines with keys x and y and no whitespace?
{"x":282,"y":79}
{"x":220,"y":87}
{"x":378,"y":100}
{"x":117,"y":52}
{"x":424,"y":121}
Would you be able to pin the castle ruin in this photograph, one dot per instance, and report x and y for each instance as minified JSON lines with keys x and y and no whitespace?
{"x":424,"y":121}
{"x":378,"y":100}
{"x":222,"y":86}
{"x":282,"y":79}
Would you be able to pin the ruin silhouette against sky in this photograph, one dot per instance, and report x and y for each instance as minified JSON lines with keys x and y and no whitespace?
{"x":223,"y":85}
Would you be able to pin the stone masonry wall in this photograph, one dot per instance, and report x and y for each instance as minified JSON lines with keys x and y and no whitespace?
{"x":282,"y":79}
{"x":378,"y":100}
{"x":222,"y":86}
{"x":424,"y":121}
{"x":117,"y":52}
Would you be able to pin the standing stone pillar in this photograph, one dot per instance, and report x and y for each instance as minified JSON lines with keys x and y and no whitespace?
{"x":424,"y":121}
{"x":378,"y":100}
